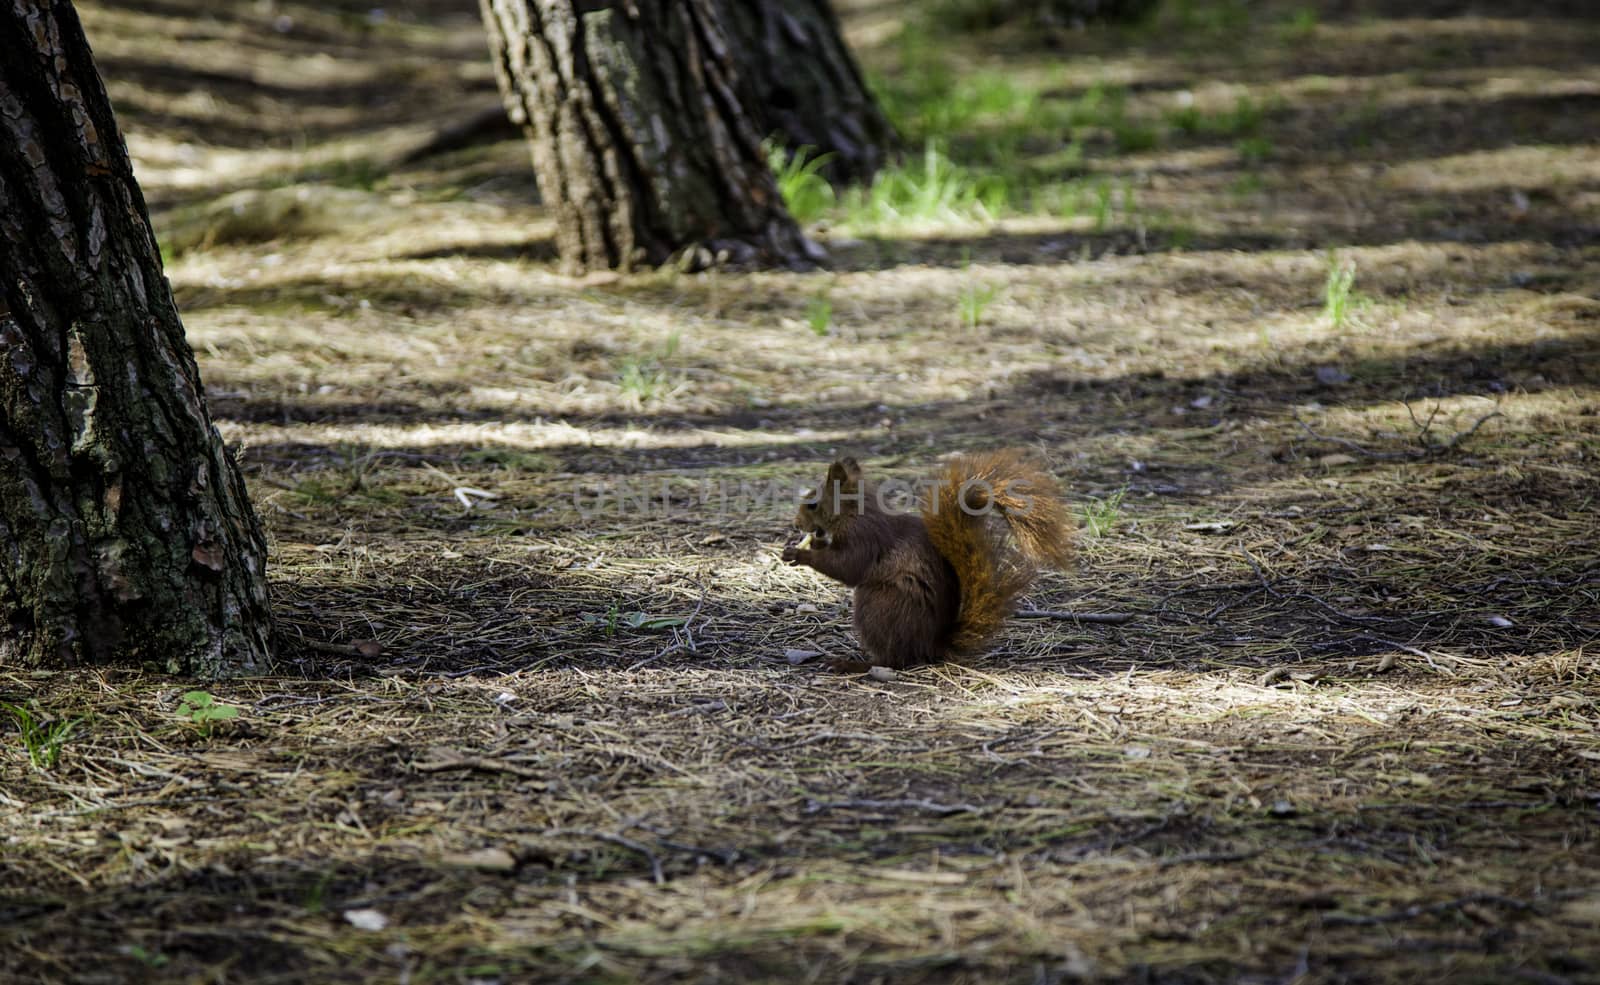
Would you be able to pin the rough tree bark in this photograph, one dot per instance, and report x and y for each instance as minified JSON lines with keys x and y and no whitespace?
{"x":644,"y":135}
{"x":808,"y":87}
{"x":125,"y":533}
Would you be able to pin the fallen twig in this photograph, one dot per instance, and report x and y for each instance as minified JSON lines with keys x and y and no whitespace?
{"x":1425,"y":449}
{"x":1109,"y":618}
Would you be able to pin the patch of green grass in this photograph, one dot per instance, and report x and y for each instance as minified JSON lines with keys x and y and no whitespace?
{"x":1134,"y":137}
{"x":1100,"y":105}
{"x":1101,"y":515}
{"x":1102,"y":205}
{"x":974,"y":301}
{"x":934,"y":189}
{"x":819,"y":314}
{"x":927,"y":99}
{"x":1062,"y":198}
{"x":1179,"y":235}
{"x":648,"y":378}
{"x":1186,"y":119}
{"x":642,"y":379}
{"x":1338,"y":298}
{"x":42,"y":737}
{"x":1247,"y":184}
{"x":1253,"y":151}
{"x":806,"y":193}
{"x":1300,"y":27}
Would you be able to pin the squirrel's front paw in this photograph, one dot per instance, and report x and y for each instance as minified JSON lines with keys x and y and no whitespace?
{"x":791,"y":554}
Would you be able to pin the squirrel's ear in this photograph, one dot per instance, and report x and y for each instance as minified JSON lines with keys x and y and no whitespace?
{"x":844,"y":473}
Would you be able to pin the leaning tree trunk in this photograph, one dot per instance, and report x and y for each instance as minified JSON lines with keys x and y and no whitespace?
{"x":643,"y":135}
{"x":809,"y":91}
{"x":125,"y":530}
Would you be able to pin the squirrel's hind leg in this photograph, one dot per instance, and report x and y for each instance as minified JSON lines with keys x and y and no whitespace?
{"x":896,"y":629}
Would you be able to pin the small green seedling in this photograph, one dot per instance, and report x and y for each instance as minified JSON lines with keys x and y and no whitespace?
{"x":1102,"y":206}
{"x":631,"y":620}
{"x":1100,"y":515}
{"x":203,"y":711}
{"x":974,"y":300}
{"x":819,"y":314}
{"x":642,"y":379}
{"x":806,"y":192}
{"x":647,"y":378}
{"x":150,"y":959}
{"x":42,"y":739}
{"x":1337,"y":298}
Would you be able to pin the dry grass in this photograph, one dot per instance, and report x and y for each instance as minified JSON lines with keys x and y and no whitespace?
{"x":536,"y":711}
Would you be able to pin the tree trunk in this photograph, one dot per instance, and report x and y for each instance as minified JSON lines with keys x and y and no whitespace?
{"x":809,"y":90}
{"x":644,"y":138}
{"x":125,"y":533}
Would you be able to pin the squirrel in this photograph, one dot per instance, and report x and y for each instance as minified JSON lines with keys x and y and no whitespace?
{"x":938,"y":585}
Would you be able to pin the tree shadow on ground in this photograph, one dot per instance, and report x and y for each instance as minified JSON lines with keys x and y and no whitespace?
{"x":1051,"y":400}
{"x":489,"y":836}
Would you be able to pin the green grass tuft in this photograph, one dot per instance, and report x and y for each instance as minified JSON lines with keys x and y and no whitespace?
{"x":1338,"y":299}
{"x":806,"y":193}
{"x":1101,"y":515}
{"x":934,"y":189}
{"x":974,"y":301}
{"x":819,"y":314}
{"x":41,"y":737}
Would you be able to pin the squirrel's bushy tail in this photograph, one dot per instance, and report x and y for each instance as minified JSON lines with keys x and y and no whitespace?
{"x":972,"y":489}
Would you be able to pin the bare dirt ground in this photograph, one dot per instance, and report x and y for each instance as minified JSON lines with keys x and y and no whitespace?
{"x":536,"y":721}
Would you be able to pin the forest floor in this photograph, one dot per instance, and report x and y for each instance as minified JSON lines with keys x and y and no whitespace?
{"x":1301,"y":302}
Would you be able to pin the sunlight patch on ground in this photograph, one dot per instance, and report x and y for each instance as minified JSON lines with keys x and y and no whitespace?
{"x":1503,"y":168}
{"x":532,"y":435}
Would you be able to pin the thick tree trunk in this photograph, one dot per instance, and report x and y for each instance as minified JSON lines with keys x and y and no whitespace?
{"x":809,"y":90}
{"x":643,"y":133}
{"x":125,"y":532}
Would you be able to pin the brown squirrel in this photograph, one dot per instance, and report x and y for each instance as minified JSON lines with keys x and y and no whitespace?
{"x":937,"y":585}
